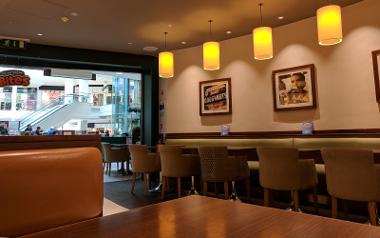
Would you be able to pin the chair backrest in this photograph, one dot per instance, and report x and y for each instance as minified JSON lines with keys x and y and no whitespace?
{"x":350,"y":174}
{"x":106,"y":147}
{"x":170,"y":156}
{"x":142,"y":160}
{"x":214,"y":163}
{"x":279,"y":168}
{"x":114,"y":155}
{"x":46,"y":188}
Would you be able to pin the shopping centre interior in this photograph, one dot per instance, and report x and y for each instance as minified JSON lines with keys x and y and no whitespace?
{"x":106,"y":103}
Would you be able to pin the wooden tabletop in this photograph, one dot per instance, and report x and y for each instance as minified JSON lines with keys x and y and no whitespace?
{"x":198,"y":216}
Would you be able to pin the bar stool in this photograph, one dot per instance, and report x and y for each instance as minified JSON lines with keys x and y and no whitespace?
{"x":352,"y":175}
{"x":217,"y":166}
{"x":143,"y":162}
{"x":280,"y":169}
{"x":178,"y":165}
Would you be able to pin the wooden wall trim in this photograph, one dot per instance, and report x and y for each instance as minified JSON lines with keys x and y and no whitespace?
{"x":339,"y":133}
{"x":48,"y":142}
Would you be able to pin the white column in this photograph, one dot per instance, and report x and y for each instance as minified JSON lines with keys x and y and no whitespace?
{"x":14,"y":98}
{"x":83,"y":88}
{"x":69,"y":87}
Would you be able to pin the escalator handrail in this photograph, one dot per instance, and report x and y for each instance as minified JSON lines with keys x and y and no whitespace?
{"x":55,"y":102}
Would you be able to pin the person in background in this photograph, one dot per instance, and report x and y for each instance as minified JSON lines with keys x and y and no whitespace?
{"x":106,"y":133}
{"x":3,"y":130}
{"x":38,"y":131}
{"x":52,"y":131}
{"x":135,"y":135}
{"x":28,"y":130}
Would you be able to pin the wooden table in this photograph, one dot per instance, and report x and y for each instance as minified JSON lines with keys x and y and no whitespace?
{"x":198,"y":216}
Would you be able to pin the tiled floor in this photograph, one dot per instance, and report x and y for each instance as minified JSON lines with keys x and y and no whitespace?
{"x":110,"y":208}
{"x":115,"y":175}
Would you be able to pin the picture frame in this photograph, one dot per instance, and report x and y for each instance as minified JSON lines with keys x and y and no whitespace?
{"x":376,"y":72}
{"x":294,"y":88}
{"x":215,"y":97}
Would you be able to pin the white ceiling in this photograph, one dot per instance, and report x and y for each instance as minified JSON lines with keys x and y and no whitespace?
{"x":111,"y":24}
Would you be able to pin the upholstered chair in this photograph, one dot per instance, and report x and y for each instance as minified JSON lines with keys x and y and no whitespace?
{"x":281,"y":169}
{"x":174,"y":164}
{"x":143,"y":162}
{"x":352,"y":175}
{"x":217,"y":166}
{"x":47,"y":188}
{"x":113,"y":156}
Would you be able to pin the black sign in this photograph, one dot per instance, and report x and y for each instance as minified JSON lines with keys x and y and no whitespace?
{"x":12,"y":44}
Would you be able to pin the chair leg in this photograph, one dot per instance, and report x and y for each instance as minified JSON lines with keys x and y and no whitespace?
{"x":145,"y":183}
{"x":315,"y":198}
{"x":204,"y":188}
{"x":109,"y":169}
{"x":164,"y":183}
{"x":266,"y":197}
{"x":345,"y":209}
{"x":216,"y":189}
{"x":334,"y":207}
{"x":226,"y":196}
{"x":372,"y":213}
{"x":133,"y":182}
{"x":296,"y":201}
{"x":167,"y":184}
{"x":248,"y":188}
{"x":179,"y":186}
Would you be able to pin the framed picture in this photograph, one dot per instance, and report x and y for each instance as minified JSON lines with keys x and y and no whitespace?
{"x":215,"y":97}
{"x":294,"y":88}
{"x":376,"y":73}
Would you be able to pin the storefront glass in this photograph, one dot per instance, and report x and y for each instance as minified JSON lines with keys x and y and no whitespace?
{"x":111,"y":103}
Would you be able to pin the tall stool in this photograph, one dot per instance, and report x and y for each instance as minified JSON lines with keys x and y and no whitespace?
{"x":177,"y":165}
{"x":352,"y":175}
{"x":280,"y":169}
{"x":217,"y":166}
{"x":143,"y":162}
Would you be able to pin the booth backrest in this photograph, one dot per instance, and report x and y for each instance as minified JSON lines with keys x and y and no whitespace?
{"x":300,"y":143}
{"x":288,"y":142}
{"x":41,"y":189}
{"x":353,"y":143}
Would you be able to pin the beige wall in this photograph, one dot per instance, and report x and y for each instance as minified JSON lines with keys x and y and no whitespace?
{"x":344,"y":79}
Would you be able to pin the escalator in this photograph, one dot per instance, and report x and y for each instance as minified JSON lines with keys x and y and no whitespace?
{"x":57,"y":112}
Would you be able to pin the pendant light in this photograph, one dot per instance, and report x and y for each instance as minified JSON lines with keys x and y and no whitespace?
{"x":166,"y":62}
{"x":211,"y":54}
{"x":262,"y":40}
{"x":329,"y":23}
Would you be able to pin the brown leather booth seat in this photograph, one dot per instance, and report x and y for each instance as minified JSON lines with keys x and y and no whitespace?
{"x":46,"y":188}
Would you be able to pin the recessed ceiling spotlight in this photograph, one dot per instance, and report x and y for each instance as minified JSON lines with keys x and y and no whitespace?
{"x":130,"y":43}
{"x":40,"y":34}
{"x":74,"y":14}
{"x":150,"y":48}
{"x":183,"y":42}
{"x":280,"y":17}
{"x":228,"y":32}
{"x":65,"y":19}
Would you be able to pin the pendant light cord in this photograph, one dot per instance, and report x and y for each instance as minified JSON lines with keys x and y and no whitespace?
{"x":261,"y":13}
{"x":165,"y":33}
{"x":210,"y":34}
